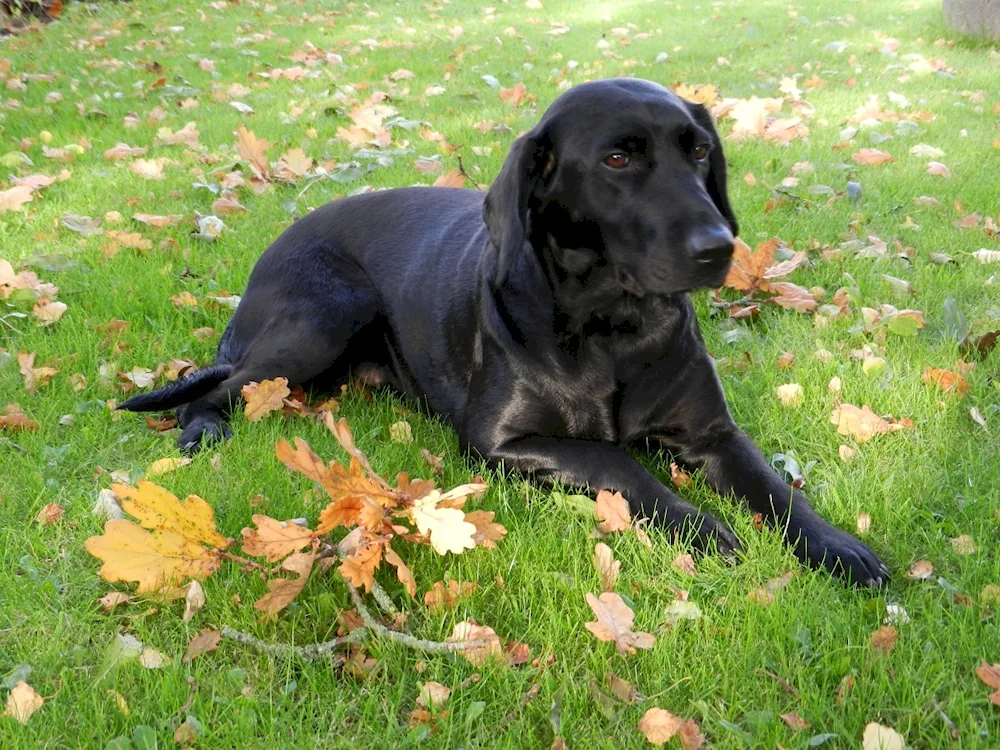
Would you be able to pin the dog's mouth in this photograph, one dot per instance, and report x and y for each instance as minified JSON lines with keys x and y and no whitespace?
{"x":629,"y":283}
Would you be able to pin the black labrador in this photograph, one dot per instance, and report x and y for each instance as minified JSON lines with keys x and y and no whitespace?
{"x":548,"y":321}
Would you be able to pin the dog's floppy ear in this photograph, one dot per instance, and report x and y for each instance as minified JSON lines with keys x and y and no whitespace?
{"x":507,"y":206}
{"x":716,"y":184}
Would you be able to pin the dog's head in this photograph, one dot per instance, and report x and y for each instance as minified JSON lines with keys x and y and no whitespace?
{"x":622,"y":187}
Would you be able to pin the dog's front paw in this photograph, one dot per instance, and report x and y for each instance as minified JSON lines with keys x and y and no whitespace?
{"x":713,"y":534}
{"x":843,"y":556}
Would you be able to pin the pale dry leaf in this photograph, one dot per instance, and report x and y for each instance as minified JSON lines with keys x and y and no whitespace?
{"x":614,"y":623}
{"x":963,"y":545}
{"x":433,"y":695}
{"x":861,"y":424}
{"x":920,"y":570}
{"x":13,"y":199}
{"x":48,"y":312}
{"x":878,"y":737}
{"x":22,"y":702}
{"x":685,"y":563}
{"x":790,"y":394}
{"x":612,"y":512}
{"x":264,"y":397}
{"x":446,"y":527}
{"x":166,"y":465}
{"x":446,"y":595}
{"x":938,"y":169}
{"x":884,"y":639}
{"x":469,"y":631}
{"x":194,"y":600}
{"x":606,"y":565}
{"x":870,"y":157}
{"x":488,"y":532}
{"x":794,"y":722}
{"x":150,"y":658}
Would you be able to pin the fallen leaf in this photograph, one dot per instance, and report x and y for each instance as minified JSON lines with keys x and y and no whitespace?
{"x":469,"y":631}
{"x":884,"y":639}
{"x":359,"y":567}
{"x":878,"y":737}
{"x":621,"y":689}
{"x":13,"y":419}
{"x":166,"y":465}
{"x":264,"y":397}
{"x":49,"y":514}
{"x":606,"y":565}
{"x":446,"y":595}
{"x":864,"y":523}
{"x":861,"y":424}
{"x":13,"y":199}
{"x":150,"y":658}
{"x":946,"y":380}
{"x":920,"y":570}
{"x":433,"y":695}
{"x":488,"y":532}
{"x":274,"y":540}
{"x":22,"y":702}
{"x":48,"y":312}
{"x":985,"y":256}
{"x":252,"y":150}
{"x":281,"y":591}
{"x":790,"y":394}
{"x":871,"y":157}
{"x":194,"y":600}
{"x":149,"y":169}
{"x":206,"y":641}
{"x":447,"y":528}
{"x":453,"y":178}
{"x":795,"y":722}
{"x":963,"y":545}
{"x":684,"y":563}
{"x":612,"y":512}
{"x":938,"y":169}
{"x":614,"y":623}
{"x":659,"y":726}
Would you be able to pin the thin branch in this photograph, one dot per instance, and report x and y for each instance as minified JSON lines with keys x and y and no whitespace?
{"x":252,"y":564}
{"x":726,"y":305}
{"x":433,"y":647}
{"x":466,"y":175}
{"x":944,"y":717}
{"x":312,"y":652}
{"x":784,"y":685}
{"x":384,"y":602}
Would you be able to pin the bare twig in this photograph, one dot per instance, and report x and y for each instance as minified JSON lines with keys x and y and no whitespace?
{"x":322,"y":650}
{"x":433,"y":647}
{"x":11,"y":444}
{"x":384,"y":602}
{"x":312,"y":652}
{"x":461,"y":171}
{"x":784,"y":685}
{"x":726,"y":305}
{"x":525,"y":700}
{"x":251,"y":564}
{"x":952,"y":729}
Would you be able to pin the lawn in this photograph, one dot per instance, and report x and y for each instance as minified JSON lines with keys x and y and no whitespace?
{"x":109,"y":73}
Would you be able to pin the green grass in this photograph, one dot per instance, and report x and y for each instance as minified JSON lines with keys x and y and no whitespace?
{"x":921,"y":487}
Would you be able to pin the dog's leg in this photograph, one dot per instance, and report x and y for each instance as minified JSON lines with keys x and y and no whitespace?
{"x":290,"y":344}
{"x":733,"y":464}
{"x":597,"y":465}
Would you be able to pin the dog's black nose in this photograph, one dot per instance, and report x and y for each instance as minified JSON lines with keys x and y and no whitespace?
{"x":711,"y":245}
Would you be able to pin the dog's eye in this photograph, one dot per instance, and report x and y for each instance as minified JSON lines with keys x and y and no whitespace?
{"x":701,"y":152}
{"x":616,"y":160}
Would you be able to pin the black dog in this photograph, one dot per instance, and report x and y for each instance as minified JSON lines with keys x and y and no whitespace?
{"x":549,"y":323}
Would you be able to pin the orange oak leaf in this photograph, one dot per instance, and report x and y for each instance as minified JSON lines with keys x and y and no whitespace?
{"x":612,"y":512}
{"x":446,"y":595}
{"x":274,"y":540}
{"x":861,"y":424}
{"x":264,"y":397}
{"x":403,"y":573}
{"x":946,"y":380}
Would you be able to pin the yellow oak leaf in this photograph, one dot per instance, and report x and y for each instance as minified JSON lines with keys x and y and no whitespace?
{"x":273,"y":539}
{"x":160,"y":510}
{"x":264,"y":397}
{"x":281,"y":591}
{"x":659,"y":726}
{"x":252,"y":150}
{"x":359,"y":567}
{"x":470,"y":631}
{"x":614,"y":623}
{"x":863,"y":424}
{"x":153,"y":559}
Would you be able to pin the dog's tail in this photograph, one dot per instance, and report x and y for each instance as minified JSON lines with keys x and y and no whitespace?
{"x":194,"y":386}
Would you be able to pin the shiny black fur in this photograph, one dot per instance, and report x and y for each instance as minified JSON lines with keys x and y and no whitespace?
{"x":547,"y":321}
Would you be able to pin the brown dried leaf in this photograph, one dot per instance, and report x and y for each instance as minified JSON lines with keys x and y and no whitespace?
{"x":606,"y":565}
{"x":281,"y":591}
{"x":614,"y":623}
{"x":252,"y":150}
{"x":444,"y":596}
{"x":469,"y":631}
{"x":871,"y":157}
{"x":946,"y":380}
{"x":22,"y":702}
{"x":403,"y":573}
{"x":487,"y":533}
{"x":207,"y":640}
{"x":861,"y":424}
{"x":884,"y":639}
